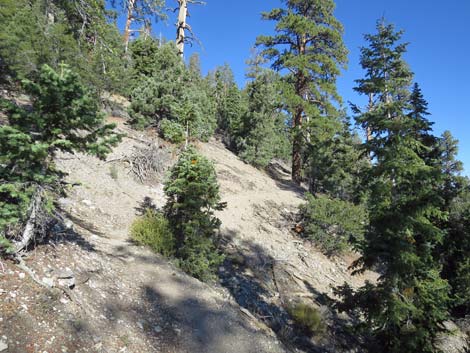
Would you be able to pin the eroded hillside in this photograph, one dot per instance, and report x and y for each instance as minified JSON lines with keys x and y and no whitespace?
{"x":110,"y":295}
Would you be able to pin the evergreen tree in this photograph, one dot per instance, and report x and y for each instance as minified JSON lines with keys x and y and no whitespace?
{"x":194,"y":66}
{"x":455,"y":252}
{"x":446,"y":159}
{"x":193,"y":197}
{"x":63,"y":117}
{"x":336,"y":164}
{"x":78,"y":33}
{"x":404,"y":310}
{"x":145,"y":59}
{"x":309,"y":47}
{"x":263,"y":133}
{"x":169,"y":97}
{"x":229,"y":105}
{"x":419,"y":111}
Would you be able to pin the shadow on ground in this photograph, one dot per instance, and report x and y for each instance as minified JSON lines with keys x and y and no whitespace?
{"x":251,"y":281}
{"x":281,"y":177}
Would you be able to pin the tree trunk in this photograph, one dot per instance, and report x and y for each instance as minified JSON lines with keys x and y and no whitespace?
{"x":127,"y":28}
{"x":28,"y":232}
{"x":370,"y":107}
{"x":297,"y":148}
{"x":297,"y":126}
{"x":181,"y":26}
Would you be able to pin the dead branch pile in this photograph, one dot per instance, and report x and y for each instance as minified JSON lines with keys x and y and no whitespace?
{"x":149,"y":163}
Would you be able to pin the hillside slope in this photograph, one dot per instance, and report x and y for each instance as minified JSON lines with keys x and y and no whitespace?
{"x":127,"y":299}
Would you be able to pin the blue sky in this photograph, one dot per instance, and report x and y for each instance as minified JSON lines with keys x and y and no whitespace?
{"x":438,"y":32}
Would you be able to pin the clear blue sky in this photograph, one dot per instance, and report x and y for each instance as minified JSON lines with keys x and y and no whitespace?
{"x":438,"y":32}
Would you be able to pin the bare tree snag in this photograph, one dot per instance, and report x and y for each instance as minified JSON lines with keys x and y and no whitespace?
{"x":182,"y":25}
{"x":129,"y":19}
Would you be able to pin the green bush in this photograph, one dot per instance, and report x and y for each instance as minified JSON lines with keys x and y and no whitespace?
{"x":152,"y":229}
{"x":172,"y":131}
{"x":307,"y":318}
{"x":333,"y":224}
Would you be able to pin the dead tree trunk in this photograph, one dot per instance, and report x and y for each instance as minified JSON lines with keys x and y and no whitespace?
{"x":181,"y":25}
{"x":129,"y":19}
{"x":28,"y":232}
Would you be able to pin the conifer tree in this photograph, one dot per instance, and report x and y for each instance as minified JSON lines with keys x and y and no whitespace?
{"x":263,"y":134}
{"x":455,"y":250}
{"x":336,"y":164}
{"x":446,"y":158}
{"x":170,"y":97}
{"x":193,"y":197}
{"x":78,"y":33}
{"x":64,"y":117}
{"x":229,"y":105}
{"x":405,"y":309}
{"x":308,"y":46}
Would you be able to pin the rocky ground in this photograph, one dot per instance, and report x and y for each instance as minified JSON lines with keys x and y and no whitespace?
{"x":109,"y":295}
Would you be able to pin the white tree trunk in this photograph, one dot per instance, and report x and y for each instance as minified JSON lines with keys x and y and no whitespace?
{"x":127,"y":28}
{"x":181,"y":26}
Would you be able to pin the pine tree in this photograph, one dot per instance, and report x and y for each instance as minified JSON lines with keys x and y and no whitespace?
{"x":308,"y":45}
{"x":229,"y":105}
{"x":263,"y":134}
{"x":336,"y":164}
{"x":455,"y":251}
{"x":446,"y":158}
{"x":404,"y":310}
{"x":193,"y":197}
{"x":170,"y":97}
{"x":64,"y":117}
{"x":159,"y":89}
{"x":77,"y":33}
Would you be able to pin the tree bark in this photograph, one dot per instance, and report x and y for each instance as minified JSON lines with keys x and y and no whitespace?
{"x":297,"y":122}
{"x":297,"y":148}
{"x":181,"y":26}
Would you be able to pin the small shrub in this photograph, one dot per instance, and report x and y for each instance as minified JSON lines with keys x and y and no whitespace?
{"x":307,"y":318}
{"x":152,"y":229}
{"x":113,"y":172}
{"x":172,"y":131}
{"x":333,"y":224}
